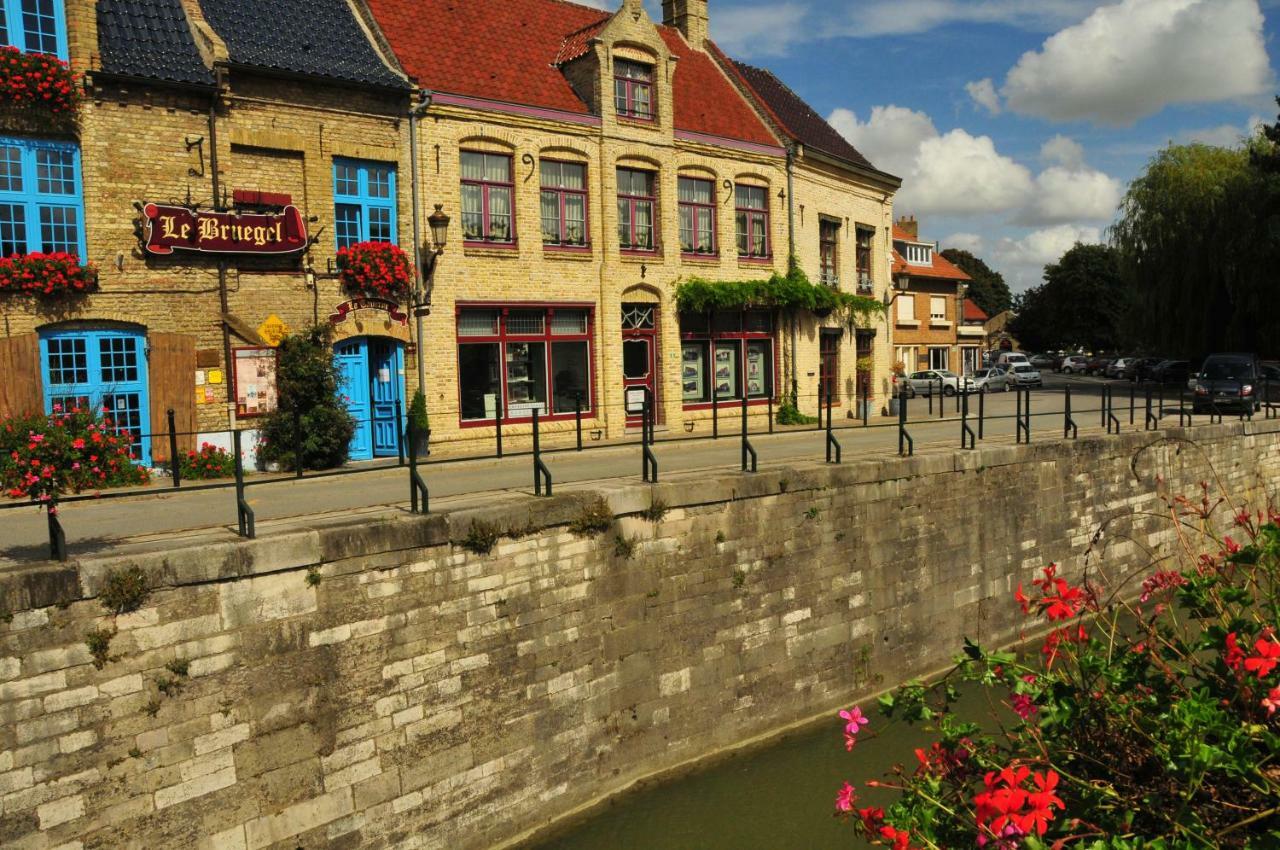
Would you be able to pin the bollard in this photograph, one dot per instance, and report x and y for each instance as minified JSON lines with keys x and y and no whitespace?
{"x":175,"y":462}
{"x":297,"y":442}
{"x":244,"y":513}
{"x":577,"y":414}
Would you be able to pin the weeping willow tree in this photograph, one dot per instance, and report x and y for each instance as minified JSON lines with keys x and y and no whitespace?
{"x":1198,"y":250}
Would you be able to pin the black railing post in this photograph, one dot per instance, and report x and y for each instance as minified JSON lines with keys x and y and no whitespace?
{"x":748,"y":451}
{"x":577,"y":415}
{"x":1069,"y":428}
{"x":942,"y":400}
{"x":417,"y":487}
{"x":1132,"y":392}
{"x":1102,"y":408}
{"x":982,"y":415}
{"x":1183,"y":416}
{"x":906,"y":445}
{"x":400,"y":428}
{"x":833,"y":445}
{"x":1160,"y":409}
{"x":244,"y":513}
{"x":1113,"y":422}
{"x":715,"y":406}
{"x":648,"y":460}
{"x":498,"y":420}
{"x":175,"y":462}
{"x":770,"y":411}
{"x":968,"y":439}
{"x":57,"y":537}
{"x":297,"y":442}
{"x":541,"y":475}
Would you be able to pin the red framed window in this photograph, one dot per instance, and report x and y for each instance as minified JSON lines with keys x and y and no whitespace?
{"x":564,"y":203}
{"x":829,"y":251}
{"x":488,"y":214}
{"x":732,"y":351}
{"x":862,"y":257}
{"x":751,"y":213}
{"x":633,"y":89}
{"x":697,"y":199}
{"x":521,"y":358}
{"x":637,"y":204}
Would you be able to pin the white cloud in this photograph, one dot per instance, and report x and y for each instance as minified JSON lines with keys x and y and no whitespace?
{"x":971,"y":242}
{"x":1065,"y":195}
{"x":1134,"y":58}
{"x":759,"y":30}
{"x":898,"y":17}
{"x":962,"y":174}
{"x":1060,"y":150}
{"x":1022,"y":261}
{"x":1224,"y":135}
{"x":984,"y":94}
{"x":890,"y":138}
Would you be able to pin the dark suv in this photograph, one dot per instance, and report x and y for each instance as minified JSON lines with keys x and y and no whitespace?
{"x":1228,"y":383}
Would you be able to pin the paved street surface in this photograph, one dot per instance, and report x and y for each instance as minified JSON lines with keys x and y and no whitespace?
{"x":93,"y":526}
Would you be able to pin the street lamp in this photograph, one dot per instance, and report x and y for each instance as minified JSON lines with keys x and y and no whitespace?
{"x":438,"y":221}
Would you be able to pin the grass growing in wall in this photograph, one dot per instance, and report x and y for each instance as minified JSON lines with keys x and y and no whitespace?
{"x":595,"y":519}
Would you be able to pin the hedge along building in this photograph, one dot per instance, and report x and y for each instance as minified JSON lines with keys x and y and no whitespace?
{"x":592,"y":162}
{"x":273,"y":139}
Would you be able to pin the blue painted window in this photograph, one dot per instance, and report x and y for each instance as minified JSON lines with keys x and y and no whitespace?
{"x":41,"y":198}
{"x":103,"y":370}
{"x":34,"y":26}
{"x":364,"y":196}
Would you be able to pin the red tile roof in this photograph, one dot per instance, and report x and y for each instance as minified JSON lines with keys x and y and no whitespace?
{"x":942,"y":268}
{"x":901,"y":235}
{"x":506,"y":50}
{"x":974,"y":313}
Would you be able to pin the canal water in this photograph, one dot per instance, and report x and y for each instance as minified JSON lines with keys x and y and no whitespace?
{"x":779,"y":797}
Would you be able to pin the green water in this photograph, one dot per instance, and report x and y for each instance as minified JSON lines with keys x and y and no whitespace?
{"x":781,"y":797}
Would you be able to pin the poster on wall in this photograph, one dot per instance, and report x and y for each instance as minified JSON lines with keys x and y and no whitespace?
{"x":691,"y":372}
{"x":255,"y":381}
{"x":755,"y":370}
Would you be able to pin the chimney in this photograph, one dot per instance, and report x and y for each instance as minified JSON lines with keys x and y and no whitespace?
{"x":908,"y":224}
{"x":688,"y":16}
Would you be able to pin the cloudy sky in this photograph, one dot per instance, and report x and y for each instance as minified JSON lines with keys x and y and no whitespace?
{"x":1015,"y":124}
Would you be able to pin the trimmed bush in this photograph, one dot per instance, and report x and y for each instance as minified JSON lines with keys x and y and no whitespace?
{"x":307,"y":380}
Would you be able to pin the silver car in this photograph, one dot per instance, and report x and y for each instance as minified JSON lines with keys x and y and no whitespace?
{"x":1026,"y":375}
{"x":927,"y":382}
{"x":994,"y":379}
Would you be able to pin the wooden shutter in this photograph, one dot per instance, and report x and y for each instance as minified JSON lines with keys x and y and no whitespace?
{"x":172,"y":372}
{"x":21,"y":384}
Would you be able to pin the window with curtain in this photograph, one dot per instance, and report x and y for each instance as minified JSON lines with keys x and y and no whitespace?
{"x":751,"y":212}
{"x":487,"y":193}
{"x":636,"y":207}
{"x":564,"y":203}
{"x":41,"y":206}
{"x":862,"y":258}
{"x":829,"y":250}
{"x":364,"y":196}
{"x":697,"y":200}
{"x":633,"y":89}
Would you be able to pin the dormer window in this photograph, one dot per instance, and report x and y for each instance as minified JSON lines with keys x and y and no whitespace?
{"x":633,"y":89}
{"x":920,"y":255}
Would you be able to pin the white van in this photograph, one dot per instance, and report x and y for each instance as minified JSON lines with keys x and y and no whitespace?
{"x":1011,"y":359}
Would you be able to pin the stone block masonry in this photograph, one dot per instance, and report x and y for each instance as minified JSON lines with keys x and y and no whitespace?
{"x":423,"y":696}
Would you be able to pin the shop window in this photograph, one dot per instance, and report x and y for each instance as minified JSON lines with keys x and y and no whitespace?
{"x":487,"y":191}
{"x":34,"y":26}
{"x":636,"y":203}
{"x":524,"y":358}
{"x":41,"y":207}
{"x":633,"y":90}
{"x":564,"y":203}
{"x":101,"y":370}
{"x":697,"y":200}
{"x":734,"y":354}
{"x":829,"y":250}
{"x":751,"y":215}
{"x":364,"y":195}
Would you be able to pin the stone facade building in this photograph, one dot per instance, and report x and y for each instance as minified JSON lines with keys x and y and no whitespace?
{"x":588,"y":161}
{"x":928,"y":308}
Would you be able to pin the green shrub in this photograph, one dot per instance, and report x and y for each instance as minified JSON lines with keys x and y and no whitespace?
{"x":789,"y":414}
{"x":209,"y":462}
{"x":418,"y":419}
{"x":308,"y":384}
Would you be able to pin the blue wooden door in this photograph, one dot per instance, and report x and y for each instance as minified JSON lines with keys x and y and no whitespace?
{"x":352,"y":358}
{"x":387,"y":389}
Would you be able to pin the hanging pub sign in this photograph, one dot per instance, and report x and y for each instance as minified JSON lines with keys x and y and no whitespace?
{"x":173,"y":228}
{"x":369,"y":316}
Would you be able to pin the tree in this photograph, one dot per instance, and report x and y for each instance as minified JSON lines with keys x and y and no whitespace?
{"x":1081,"y":303}
{"x":307,"y":379}
{"x":988,"y":289}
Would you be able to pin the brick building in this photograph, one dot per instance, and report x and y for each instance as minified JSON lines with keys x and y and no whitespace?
{"x":588,"y":161}
{"x":928,"y":313}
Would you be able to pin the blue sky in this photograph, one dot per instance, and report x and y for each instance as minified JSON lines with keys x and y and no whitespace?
{"x":1016,"y":124}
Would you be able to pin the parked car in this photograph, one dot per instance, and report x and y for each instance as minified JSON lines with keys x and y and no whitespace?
{"x":1097,"y":365}
{"x":1074,"y":364}
{"x":1171,"y":372}
{"x":1025,"y":375}
{"x":1228,"y":383}
{"x":1042,"y":361}
{"x":926,"y":382}
{"x":1140,"y":368}
{"x":991,"y":380}
{"x":1117,"y":367}
{"x":1010,"y":358}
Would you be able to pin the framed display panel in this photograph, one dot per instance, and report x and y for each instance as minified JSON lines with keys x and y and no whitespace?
{"x":254,"y":380}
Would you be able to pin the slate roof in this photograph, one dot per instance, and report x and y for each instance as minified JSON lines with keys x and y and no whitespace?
{"x":797,"y":118}
{"x":509,"y":51}
{"x":315,"y":38}
{"x":150,"y":39}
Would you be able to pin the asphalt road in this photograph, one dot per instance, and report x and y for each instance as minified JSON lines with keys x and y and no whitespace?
{"x":105,"y":523}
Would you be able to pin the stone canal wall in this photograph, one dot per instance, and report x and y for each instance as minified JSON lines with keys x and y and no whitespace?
{"x":376,"y":685}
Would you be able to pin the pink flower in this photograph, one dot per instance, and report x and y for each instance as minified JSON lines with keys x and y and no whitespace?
{"x":1271,"y":701}
{"x":844,"y":798}
{"x":856,"y":720}
{"x":1023,"y":705}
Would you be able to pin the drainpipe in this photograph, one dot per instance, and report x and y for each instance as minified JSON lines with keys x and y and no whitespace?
{"x":223,"y":299}
{"x":791,"y":263}
{"x":419,"y":295}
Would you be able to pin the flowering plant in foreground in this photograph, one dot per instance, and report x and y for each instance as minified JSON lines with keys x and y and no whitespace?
{"x":209,"y":462}
{"x":1148,"y":716}
{"x":42,"y":457}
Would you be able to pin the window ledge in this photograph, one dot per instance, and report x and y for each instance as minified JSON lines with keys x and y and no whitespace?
{"x":490,"y":249}
{"x":755,"y":261}
{"x":635,"y":121}
{"x":908,"y":323}
{"x":939,"y":323}
{"x":700,"y":259}
{"x":567,"y":252}
{"x":634,"y":256}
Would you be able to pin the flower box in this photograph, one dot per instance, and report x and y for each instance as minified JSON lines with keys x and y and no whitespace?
{"x":35,"y":83}
{"x":375,"y":269}
{"x":53,"y":275}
